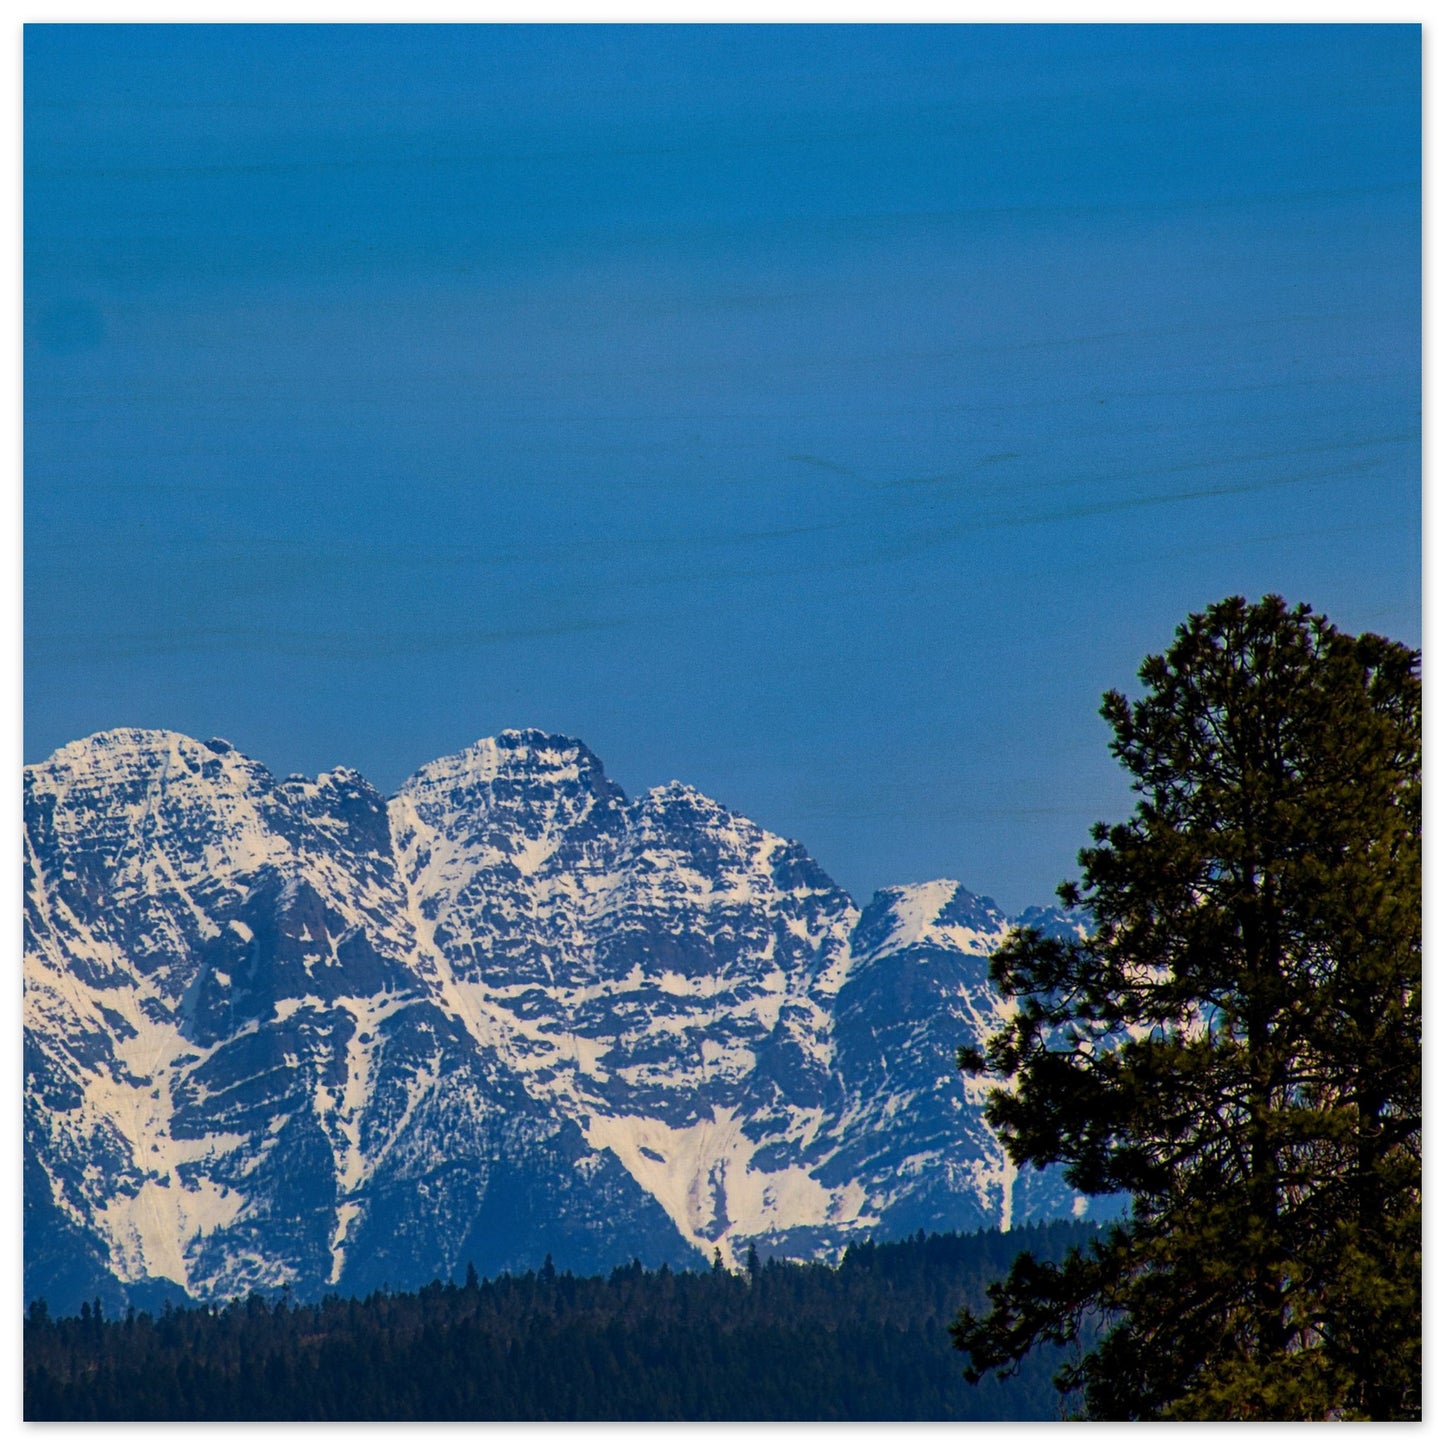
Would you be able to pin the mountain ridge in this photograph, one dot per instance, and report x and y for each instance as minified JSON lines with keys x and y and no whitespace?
{"x":290,"y":1032}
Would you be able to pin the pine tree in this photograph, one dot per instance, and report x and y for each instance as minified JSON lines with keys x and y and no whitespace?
{"x":1237,"y":1046}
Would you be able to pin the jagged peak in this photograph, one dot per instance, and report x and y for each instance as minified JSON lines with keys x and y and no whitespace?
{"x":114,"y":749}
{"x":514,"y":753}
{"x":334,"y":782}
{"x":678,"y":810}
{"x":940,"y":913}
{"x":127,"y":739}
{"x":1055,"y":922}
{"x":673,"y":794}
{"x":341,"y":775}
{"x":934,"y":893}
{"x":679,"y":807}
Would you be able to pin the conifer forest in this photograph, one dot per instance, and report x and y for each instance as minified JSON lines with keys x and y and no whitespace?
{"x":866,"y":1340}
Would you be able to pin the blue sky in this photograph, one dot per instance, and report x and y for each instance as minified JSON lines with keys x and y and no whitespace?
{"x":824,"y":416}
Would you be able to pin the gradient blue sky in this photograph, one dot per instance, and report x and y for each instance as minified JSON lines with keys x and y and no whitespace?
{"x":824,"y":416}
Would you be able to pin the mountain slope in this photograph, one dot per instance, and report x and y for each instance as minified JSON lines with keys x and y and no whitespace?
{"x":292,"y":1033}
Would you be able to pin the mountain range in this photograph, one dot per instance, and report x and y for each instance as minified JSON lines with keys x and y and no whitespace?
{"x":293,"y":1034}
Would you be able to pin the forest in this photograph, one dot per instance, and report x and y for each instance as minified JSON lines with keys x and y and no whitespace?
{"x":867,"y":1339}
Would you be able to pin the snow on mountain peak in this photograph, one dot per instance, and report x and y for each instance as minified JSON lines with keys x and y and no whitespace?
{"x":505,"y":1012}
{"x":118,"y":751}
{"x":515,"y":765}
{"x":671,"y":793}
{"x":941,"y":913}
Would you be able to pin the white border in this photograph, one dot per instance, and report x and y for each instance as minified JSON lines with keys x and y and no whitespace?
{"x":380,"y":11}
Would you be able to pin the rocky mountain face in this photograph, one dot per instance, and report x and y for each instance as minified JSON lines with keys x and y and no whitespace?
{"x":290,"y":1033}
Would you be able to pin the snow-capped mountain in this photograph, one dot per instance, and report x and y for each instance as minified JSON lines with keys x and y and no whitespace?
{"x":291,"y":1033}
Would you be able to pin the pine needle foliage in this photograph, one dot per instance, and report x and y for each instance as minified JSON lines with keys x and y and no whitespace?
{"x":1237,"y":1045}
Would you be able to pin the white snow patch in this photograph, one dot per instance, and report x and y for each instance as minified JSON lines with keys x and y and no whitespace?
{"x":149,"y":1232}
{"x":532,"y":853}
{"x":588,"y":1054}
{"x":283,"y":1008}
{"x":701,"y":1177}
{"x":783,"y":1198}
{"x":345,"y":1213}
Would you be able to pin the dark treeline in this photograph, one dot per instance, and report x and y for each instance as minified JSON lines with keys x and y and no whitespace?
{"x":867,"y":1340}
